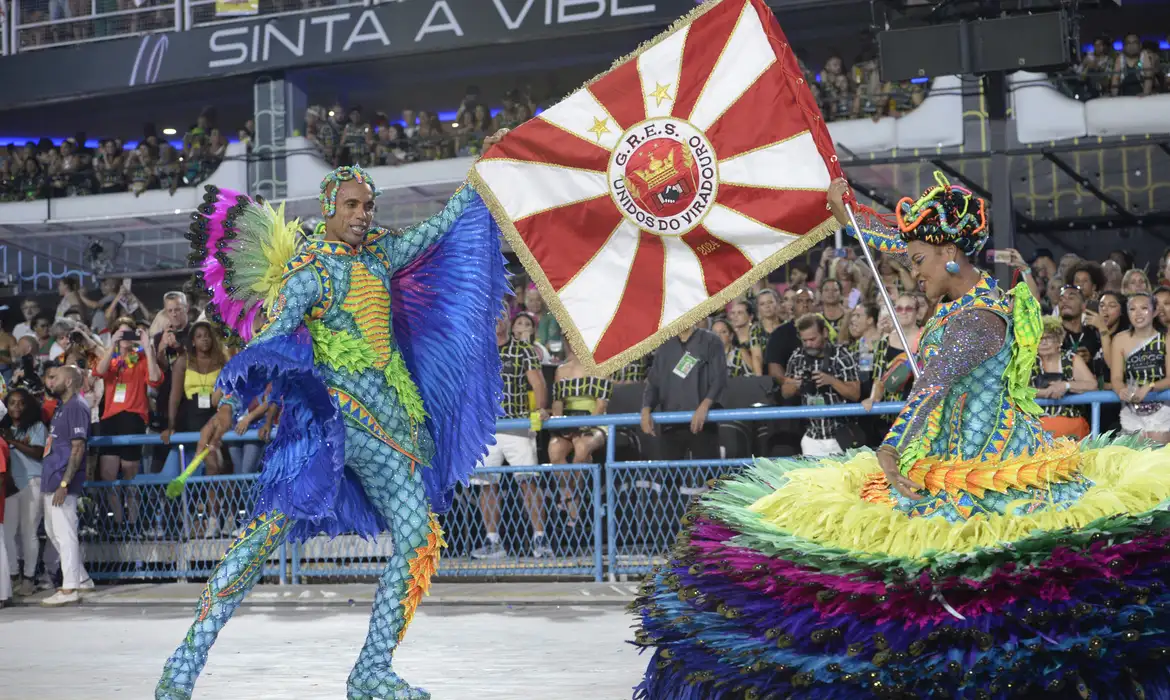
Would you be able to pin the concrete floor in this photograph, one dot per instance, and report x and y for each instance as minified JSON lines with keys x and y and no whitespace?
{"x":456,"y":652}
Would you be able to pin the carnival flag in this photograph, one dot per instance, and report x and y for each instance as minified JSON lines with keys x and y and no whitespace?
{"x":667,"y":186}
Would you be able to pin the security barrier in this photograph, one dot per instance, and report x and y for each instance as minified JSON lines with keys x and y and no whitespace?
{"x":627,"y":512}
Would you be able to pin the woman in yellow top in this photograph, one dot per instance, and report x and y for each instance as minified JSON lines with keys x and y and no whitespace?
{"x":194,"y":400}
{"x":576,"y":394}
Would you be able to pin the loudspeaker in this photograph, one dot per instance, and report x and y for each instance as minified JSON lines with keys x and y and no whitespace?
{"x":1030,"y":42}
{"x":905,"y":54}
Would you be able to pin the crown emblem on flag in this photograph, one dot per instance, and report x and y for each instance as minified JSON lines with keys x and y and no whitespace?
{"x":659,"y":172}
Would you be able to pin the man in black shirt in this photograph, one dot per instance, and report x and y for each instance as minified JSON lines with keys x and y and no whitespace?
{"x":821,"y":373}
{"x":689,"y":373}
{"x":168,"y":346}
{"x":1080,"y":338}
{"x":785,"y":339}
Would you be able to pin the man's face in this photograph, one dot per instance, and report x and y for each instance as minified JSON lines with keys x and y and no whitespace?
{"x":176,"y":313}
{"x":813,"y":340}
{"x":831,"y":292}
{"x":738,"y":315}
{"x":408,"y":117}
{"x":1044,"y":268}
{"x":1072,"y":304}
{"x":355,"y":213}
{"x":54,"y":381}
{"x":30,"y":309}
{"x":801,"y":303}
{"x":41,"y":328}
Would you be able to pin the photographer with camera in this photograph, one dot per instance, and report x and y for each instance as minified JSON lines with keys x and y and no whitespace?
{"x":127,"y":368}
{"x":68,"y":334}
{"x":822,"y":374}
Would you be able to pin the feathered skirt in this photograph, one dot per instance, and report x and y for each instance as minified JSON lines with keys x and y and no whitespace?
{"x":810,"y":579}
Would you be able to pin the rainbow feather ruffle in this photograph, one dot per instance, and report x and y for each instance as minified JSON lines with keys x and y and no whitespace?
{"x":785,"y":584}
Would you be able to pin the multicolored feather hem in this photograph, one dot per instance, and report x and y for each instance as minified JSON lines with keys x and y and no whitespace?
{"x":304,"y":473}
{"x":445,"y":304}
{"x":771,"y":596}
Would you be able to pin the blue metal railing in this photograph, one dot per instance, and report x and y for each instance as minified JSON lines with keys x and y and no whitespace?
{"x":630,"y":519}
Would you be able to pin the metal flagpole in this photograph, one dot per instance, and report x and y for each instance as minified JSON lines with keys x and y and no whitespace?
{"x":877,"y":277}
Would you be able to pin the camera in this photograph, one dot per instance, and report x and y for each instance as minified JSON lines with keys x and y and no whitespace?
{"x":808,"y":386}
{"x":129,"y":335}
{"x":77,"y":338}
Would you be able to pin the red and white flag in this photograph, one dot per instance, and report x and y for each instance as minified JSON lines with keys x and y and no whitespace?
{"x":667,"y":186}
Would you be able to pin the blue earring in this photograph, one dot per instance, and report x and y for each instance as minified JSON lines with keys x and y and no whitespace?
{"x":952,"y":267}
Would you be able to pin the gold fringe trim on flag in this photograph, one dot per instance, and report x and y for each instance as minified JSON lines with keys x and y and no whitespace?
{"x":422,"y":567}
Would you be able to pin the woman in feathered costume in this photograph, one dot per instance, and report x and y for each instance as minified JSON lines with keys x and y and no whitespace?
{"x":378,"y":424}
{"x":974,"y":556}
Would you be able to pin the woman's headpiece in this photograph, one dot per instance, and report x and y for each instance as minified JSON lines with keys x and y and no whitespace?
{"x":332,"y":183}
{"x":945,"y":213}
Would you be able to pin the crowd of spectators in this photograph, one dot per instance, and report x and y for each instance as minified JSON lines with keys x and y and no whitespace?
{"x":350,"y":135}
{"x":140,"y":371}
{"x":344,"y":135}
{"x":1139,"y":68}
{"x":43,"y":170}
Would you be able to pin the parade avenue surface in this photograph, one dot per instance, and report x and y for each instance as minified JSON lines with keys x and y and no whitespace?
{"x":457,"y":652}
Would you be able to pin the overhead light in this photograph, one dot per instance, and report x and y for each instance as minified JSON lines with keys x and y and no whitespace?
{"x":169,"y":132}
{"x":331,"y":113}
{"x":455,"y":124}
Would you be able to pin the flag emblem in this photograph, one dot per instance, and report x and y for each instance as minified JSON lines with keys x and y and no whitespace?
{"x":667,"y":186}
{"x":663,"y":176}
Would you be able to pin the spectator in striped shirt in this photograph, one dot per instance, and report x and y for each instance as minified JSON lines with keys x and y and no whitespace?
{"x":524,"y":393}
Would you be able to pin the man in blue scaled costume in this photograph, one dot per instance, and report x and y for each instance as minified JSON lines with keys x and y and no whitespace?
{"x":361,"y":314}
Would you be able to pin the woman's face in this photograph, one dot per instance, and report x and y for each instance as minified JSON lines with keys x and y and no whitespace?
{"x":906,"y":308}
{"x":797,"y":277}
{"x":125,"y":346}
{"x":15,"y":405}
{"x":833,"y":65}
{"x":522,"y":329}
{"x":928,"y":267}
{"x":1141,"y":312}
{"x":767,"y":305}
{"x":1110,"y":309}
{"x":201,"y":339}
{"x":1084,"y":280}
{"x":722,"y":330}
{"x":1135,"y":283}
{"x":738,"y":315}
{"x":858,"y":321}
{"x":62,"y":288}
{"x":532,"y":301}
{"x":1049,"y":344}
{"x":831,"y":292}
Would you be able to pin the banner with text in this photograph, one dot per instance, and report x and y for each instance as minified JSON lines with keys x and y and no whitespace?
{"x":312,"y":38}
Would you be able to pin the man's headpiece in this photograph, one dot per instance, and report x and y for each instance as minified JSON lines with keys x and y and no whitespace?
{"x":332,"y":183}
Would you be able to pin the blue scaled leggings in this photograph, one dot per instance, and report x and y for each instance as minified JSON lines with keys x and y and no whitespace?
{"x":395,"y":488}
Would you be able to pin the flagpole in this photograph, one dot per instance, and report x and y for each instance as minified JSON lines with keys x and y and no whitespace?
{"x":881,"y":288}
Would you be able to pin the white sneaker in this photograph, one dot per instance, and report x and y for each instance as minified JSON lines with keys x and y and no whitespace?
{"x":61,"y":599}
{"x":86,"y":587}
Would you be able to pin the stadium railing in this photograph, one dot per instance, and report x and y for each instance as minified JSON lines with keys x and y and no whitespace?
{"x":41,"y":24}
{"x":628,"y":517}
